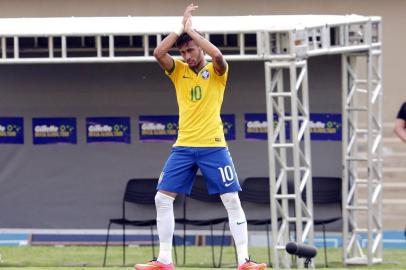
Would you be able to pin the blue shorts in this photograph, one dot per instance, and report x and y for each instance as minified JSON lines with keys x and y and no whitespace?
{"x":215,"y":163}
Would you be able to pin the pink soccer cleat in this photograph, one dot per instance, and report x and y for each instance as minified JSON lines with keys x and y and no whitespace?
{"x":250,"y":265}
{"x":154,"y":265}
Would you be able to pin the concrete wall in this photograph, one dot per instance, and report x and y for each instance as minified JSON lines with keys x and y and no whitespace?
{"x":391,"y":11}
{"x":80,"y":186}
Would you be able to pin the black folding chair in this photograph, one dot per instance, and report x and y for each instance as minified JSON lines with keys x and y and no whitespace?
{"x":326,"y":194}
{"x":326,"y":191}
{"x":256,"y":202}
{"x":195,"y":214}
{"x":137,"y":191}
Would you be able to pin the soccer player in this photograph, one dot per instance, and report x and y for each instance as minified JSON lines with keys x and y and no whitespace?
{"x":400,"y":128}
{"x":400,"y":124}
{"x":200,"y":144}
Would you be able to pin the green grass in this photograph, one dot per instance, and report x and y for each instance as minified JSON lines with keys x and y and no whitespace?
{"x":91,"y":258}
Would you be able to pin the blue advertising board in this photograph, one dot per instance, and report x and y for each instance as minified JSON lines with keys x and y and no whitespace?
{"x":325,"y":127}
{"x":228,"y":126}
{"x":165,"y":127}
{"x":54,"y":130}
{"x":108,"y":130}
{"x":158,"y":127}
{"x":256,"y":126}
{"x":11,"y":130}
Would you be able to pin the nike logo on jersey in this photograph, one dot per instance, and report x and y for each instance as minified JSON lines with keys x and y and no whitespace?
{"x":239,"y":223}
{"x":186,"y":77}
{"x":228,"y":184}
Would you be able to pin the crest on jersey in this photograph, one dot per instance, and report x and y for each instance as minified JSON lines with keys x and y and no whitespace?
{"x":205,"y":74}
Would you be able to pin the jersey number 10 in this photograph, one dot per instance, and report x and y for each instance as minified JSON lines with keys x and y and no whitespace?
{"x":196,"y":93}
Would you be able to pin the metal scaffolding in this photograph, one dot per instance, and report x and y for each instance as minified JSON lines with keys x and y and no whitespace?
{"x":362,"y":104}
{"x":280,"y":147}
{"x":283,"y":43}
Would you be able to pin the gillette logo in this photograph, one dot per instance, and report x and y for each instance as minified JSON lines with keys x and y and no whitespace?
{"x":53,"y":131}
{"x":100,"y":128}
{"x":317,"y":124}
{"x":257,"y":124}
{"x":45,"y":128}
{"x":152,"y":126}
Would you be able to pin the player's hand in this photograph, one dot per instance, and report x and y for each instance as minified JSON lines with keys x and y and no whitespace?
{"x":188,"y":25}
{"x":188,"y":13}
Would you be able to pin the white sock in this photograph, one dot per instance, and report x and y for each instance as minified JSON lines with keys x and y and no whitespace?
{"x":165,"y":225}
{"x":238,"y":224}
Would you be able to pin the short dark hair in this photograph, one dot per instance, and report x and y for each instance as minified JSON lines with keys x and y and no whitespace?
{"x":184,"y":38}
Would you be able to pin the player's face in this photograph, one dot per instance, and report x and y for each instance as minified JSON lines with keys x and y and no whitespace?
{"x":192,"y":54}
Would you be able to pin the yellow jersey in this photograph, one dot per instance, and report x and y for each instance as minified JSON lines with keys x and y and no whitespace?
{"x":199,"y":96}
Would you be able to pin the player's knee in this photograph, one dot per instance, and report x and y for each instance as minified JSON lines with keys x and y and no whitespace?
{"x":231,"y":201}
{"x":163,"y":200}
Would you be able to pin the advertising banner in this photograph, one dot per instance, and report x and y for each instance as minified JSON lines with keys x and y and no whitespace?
{"x":11,"y":130}
{"x":54,"y":130}
{"x":228,"y":126}
{"x":108,"y":130}
{"x":165,"y":127}
{"x":325,"y":127}
{"x":256,"y":126}
{"x":158,"y":127}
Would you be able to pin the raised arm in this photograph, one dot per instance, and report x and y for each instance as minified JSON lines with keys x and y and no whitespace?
{"x":219,"y":63}
{"x":161,"y":52}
